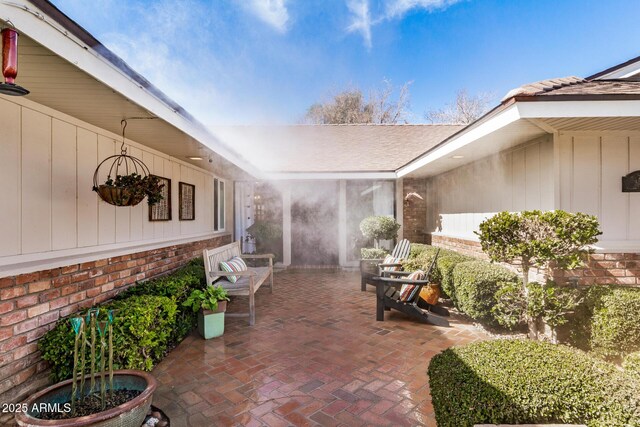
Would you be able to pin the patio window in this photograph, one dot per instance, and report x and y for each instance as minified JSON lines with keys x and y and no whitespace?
{"x":365,"y":198}
{"x":218,"y":205}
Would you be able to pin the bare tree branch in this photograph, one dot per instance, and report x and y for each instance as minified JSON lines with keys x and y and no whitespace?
{"x":350,"y":106}
{"x":465,"y":109}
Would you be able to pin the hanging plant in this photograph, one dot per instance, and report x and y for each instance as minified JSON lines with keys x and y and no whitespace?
{"x":132,"y":183}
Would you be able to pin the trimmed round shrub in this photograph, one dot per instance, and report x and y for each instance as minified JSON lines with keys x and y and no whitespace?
{"x":476,"y":284}
{"x":373,"y":253}
{"x":379,"y":227}
{"x":446,"y":263}
{"x":522,"y":381}
{"x":615,"y":327}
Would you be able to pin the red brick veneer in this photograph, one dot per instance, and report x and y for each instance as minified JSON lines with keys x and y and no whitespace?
{"x":31,"y":303}
{"x":600,"y":268}
{"x":414,"y":211}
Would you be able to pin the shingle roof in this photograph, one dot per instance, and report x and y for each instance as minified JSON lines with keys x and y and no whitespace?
{"x":575,"y":87}
{"x":333,"y":148}
{"x":543,"y":86}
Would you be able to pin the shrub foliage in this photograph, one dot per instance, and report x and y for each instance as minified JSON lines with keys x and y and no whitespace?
{"x":522,"y":381}
{"x":535,"y":238}
{"x":615,"y":326}
{"x":379,"y":227}
{"x":476,"y":284}
{"x":149,"y":320}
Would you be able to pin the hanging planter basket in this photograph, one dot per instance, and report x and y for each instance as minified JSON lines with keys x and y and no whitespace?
{"x":128,"y":180}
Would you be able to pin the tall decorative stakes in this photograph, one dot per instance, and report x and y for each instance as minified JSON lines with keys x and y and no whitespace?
{"x":85,"y":340}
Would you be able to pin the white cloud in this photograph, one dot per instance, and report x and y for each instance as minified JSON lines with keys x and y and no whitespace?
{"x":361,"y":19}
{"x":397,"y":8}
{"x":271,"y":12}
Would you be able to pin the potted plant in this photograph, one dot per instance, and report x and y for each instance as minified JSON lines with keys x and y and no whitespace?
{"x":376,"y":228}
{"x":129,"y":190}
{"x":103,"y":397}
{"x":211,"y":304}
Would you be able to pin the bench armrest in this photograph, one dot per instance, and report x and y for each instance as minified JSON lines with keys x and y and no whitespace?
{"x":402,"y":281}
{"x":249,"y":256}
{"x":396,"y":264}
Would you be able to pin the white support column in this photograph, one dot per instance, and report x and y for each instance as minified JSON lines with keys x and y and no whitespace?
{"x":286,"y":224}
{"x":342,"y":224}
{"x":400,"y":207}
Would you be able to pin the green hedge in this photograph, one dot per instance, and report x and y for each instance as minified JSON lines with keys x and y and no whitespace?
{"x":476,"y":283}
{"x":631,"y":365}
{"x":522,"y":381}
{"x":615,"y":327}
{"x":148,"y":322}
{"x":420,"y":258}
{"x":447,"y":261}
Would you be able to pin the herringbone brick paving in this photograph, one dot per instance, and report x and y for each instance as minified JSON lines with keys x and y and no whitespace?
{"x":316,"y":356}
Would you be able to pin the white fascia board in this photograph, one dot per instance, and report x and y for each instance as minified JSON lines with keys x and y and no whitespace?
{"x":622,"y":73}
{"x":568,"y":109}
{"x":502,"y":119}
{"x":288,"y":176}
{"x":44,"y":30}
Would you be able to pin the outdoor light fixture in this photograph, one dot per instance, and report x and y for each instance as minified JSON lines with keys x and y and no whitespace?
{"x":194,"y":158}
{"x":10,"y":63}
{"x":457,"y":157}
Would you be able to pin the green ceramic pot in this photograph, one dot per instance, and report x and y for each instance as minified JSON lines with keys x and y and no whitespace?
{"x":211,"y":323}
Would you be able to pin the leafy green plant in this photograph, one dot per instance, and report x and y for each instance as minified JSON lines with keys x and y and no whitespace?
{"x":615,"y":326}
{"x":206,"y":299}
{"x":422,"y":262}
{"x":447,"y":261}
{"x":148,"y":323}
{"x":142,"y":330}
{"x":529,"y":382}
{"x":535,"y":238}
{"x":551,"y":302}
{"x":631,"y":364}
{"x":510,"y":305}
{"x":379,"y":227}
{"x":373,"y":253}
{"x":138,"y":186}
{"x":476,"y":284}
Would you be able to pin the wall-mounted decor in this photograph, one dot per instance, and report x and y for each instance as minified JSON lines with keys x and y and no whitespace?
{"x":187,"y":198}
{"x":631,"y":182}
{"x":161,"y":211}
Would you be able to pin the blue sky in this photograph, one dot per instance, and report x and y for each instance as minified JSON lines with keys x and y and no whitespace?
{"x":266,"y":61}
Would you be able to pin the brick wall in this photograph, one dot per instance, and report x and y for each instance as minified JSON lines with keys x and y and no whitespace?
{"x":605,"y":269}
{"x":414,"y":211}
{"x":465,"y":247}
{"x":602,"y":269}
{"x":30,"y":304}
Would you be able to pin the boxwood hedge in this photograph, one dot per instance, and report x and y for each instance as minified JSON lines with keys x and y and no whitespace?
{"x":615,"y":327}
{"x":149,"y":320}
{"x":522,"y":381}
{"x":476,"y":283}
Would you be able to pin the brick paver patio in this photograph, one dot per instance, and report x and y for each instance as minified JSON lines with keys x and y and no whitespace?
{"x":316,"y":356}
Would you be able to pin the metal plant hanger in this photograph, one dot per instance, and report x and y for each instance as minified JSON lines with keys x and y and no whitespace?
{"x":128,"y":179}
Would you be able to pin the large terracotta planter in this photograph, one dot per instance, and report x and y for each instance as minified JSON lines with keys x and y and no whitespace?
{"x":129,"y":414}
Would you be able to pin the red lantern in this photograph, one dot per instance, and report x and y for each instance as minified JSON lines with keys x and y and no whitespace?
{"x":10,"y":63}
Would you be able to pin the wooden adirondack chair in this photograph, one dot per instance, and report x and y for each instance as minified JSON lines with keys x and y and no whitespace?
{"x":400,"y":251}
{"x":389,"y":296}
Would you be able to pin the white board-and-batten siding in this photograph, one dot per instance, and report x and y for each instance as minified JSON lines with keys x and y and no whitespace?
{"x":513,"y":180}
{"x":51,"y":216}
{"x":592,"y":165}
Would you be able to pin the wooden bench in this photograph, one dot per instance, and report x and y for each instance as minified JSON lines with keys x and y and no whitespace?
{"x":248,"y":281}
